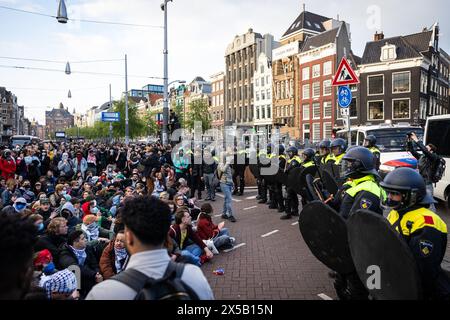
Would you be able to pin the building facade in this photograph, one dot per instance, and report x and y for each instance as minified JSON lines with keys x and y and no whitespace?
{"x":12,"y":117}
{"x":404,"y":78}
{"x":241,"y":58}
{"x":262,"y":90}
{"x":58,"y":119}
{"x":318,"y":60}
{"x":198,"y":89}
{"x":217,"y":100}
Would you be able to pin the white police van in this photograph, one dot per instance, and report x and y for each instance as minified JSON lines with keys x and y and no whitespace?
{"x":391,"y":140}
{"x":437,"y":132}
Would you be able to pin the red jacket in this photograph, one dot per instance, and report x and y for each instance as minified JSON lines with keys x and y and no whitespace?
{"x":175,"y":233}
{"x":8,"y":168}
{"x":206,"y":229}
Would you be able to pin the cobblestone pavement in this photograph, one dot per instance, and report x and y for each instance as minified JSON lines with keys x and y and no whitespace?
{"x":271,"y":261}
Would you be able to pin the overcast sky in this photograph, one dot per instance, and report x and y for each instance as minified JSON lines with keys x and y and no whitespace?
{"x":199,"y":32}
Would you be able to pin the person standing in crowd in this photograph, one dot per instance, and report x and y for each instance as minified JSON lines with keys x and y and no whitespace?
{"x":226,"y":184}
{"x":7,"y":165}
{"x":147,"y":222}
{"x":427,"y":162}
{"x":196,"y":174}
{"x":370,"y":142}
{"x":209,"y":168}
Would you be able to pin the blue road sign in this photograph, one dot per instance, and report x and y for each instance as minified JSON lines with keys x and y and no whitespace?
{"x":110,"y":116}
{"x":344,"y":97}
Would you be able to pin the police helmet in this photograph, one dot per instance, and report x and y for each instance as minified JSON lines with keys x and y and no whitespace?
{"x":281,"y":149}
{"x":370,"y":141}
{"x":292,"y":151}
{"x":358,"y":162}
{"x":325,"y":144}
{"x":410,"y":184}
{"x":339,"y":142}
{"x":269,"y":148}
{"x":309,"y":153}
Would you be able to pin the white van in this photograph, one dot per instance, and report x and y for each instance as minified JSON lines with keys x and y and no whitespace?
{"x":391,"y":140}
{"x":437,"y":132}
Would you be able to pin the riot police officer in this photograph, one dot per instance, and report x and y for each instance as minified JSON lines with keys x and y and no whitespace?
{"x":338,"y":147}
{"x":325,"y":152}
{"x":370,"y":142}
{"x":291,"y":203}
{"x":262,"y":183}
{"x":240,"y":163}
{"x":361,"y":191}
{"x":424,"y":232}
{"x":276,"y":188}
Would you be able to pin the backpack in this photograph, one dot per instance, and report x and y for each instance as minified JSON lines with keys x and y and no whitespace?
{"x":169,"y":287}
{"x":439,"y":170}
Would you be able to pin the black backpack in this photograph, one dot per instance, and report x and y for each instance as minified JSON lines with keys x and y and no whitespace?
{"x":169,"y":287}
{"x":439,"y":170}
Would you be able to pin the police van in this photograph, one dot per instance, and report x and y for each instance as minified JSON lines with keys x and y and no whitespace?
{"x":437,"y":132}
{"x":391,"y":140}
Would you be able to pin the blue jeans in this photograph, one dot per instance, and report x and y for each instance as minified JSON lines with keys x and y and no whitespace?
{"x":223,"y":238}
{"x":430,"y":191}
{"x":192,"y":254}
{"x":227,"y":189}
{"x":210,"y":188}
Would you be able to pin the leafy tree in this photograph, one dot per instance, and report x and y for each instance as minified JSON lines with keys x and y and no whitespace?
{"x":198,"y":111}
{"x":136,"y":125}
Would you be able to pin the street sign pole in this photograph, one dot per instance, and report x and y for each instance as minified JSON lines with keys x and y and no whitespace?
{"x":110,"y":106}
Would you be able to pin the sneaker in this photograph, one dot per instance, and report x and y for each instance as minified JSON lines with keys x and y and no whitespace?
{"x":240,"y":194}
{"x":232,"y":219}
{"x":213,"y":199}
{"x":224,"y":216}
{"x":286,"y":217}
{"x":280,"y":210}
{"x":262,"y":201}
{"x":295,"y":214}
{"x":232,"y":240}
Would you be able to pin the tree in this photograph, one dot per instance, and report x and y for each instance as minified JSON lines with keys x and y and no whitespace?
{"x":178,"y":108}
{"x":198,"y":111}
{"x":136,"y":125}
{"x":152,"y":127}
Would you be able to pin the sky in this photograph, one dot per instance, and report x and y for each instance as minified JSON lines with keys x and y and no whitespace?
{"x":198,"y":31}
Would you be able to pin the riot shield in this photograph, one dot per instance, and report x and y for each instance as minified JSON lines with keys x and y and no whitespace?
{"x":376,"y":246}
{"x":254,"y":169}
{"x":329,"y":182}
{"x":281,"y":177}
{"x":325,"y":233}
{"x":313,"y":190}
{"x":293,"y":178}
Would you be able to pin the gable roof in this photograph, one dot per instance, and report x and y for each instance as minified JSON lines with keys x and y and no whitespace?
{"x":407,"y":47}
{"x":320,"y":40}
{"x":309,"y":21}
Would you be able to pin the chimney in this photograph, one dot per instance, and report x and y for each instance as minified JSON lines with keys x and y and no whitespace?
{"x":378,"y":36}
{"x":304,"y":7}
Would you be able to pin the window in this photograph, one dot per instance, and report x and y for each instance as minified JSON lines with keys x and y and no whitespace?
{"x":263,"y":95}
{"x":316,"y":71}
{"x":291,"y":88}
{"x":327,"y":88}
{"x":268,"y":112}
{"x":316,"y":132}
{"x":257,"y":113}
{"x":316,"y":89}
{"x":401,"y":109}
{"x":316,"y":110}
{"x":292,"y":111}
{"x":268,"y":94}
{"x":401,"y":82}
{"x":375,"y":110}
{"x":327,"y":130}
{"x":278,"y":90}
{"x":388,"y":52}
{"x":257,"y":83}
{"x":262,"y":82}
{"x":306,"y":112}
{"x":306,"y":133}
{"x":306,"y":89}
{"x":283,"y":90}
{"x":327,"y":109}
{"x":267,"y":80}
{"x":327,"y":68}
{"x":263,"y":111}
{"x":305,"y":74}
{"x":423,"y":82}
{"x":375,"y":85}
{"x":257,"y":95}
{"x":262,"y":69}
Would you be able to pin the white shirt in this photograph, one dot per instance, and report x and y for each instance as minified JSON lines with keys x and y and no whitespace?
{"x":153,"y":264}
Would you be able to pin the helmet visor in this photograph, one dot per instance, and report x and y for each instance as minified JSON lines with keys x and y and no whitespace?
{"x":346,"y":168}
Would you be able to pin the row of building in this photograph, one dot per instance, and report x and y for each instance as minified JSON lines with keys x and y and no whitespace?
{"x":13,"y":120}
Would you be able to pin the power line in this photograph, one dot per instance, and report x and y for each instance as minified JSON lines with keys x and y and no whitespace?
{"x":56,"y":61}
{"x":80,"y":72}
{"x":84,"y":20}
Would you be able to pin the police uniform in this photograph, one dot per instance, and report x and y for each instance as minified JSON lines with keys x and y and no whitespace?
{"x":240,"y":163}
{"x":426,"y":235}
{"x":291,"y":196}
{"x":377,"y":155}
{"x":262,"y":185}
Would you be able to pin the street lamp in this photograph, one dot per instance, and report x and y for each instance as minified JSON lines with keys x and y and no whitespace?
{"x":69,"y":95}
{"x":166,"y":76}
{"x":61,"y":16}
{"x":68,"y":71}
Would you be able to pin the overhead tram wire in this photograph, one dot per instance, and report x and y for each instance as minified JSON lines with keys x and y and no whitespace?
{"x":84,"y":20}
{"x":56,"y":61}
{"x":80,"y":72}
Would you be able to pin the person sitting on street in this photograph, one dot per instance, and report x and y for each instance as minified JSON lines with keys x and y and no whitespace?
{"x":207,"y":230}
{"x":114,"y":256}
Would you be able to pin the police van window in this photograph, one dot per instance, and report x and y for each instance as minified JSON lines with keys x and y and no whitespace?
{"x":353,"y":135}
{"x":393,"y":139}
{"x":439,"y":134}
{"x":361,"y":138}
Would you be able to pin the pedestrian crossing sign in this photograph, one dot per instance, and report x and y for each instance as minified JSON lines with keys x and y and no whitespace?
{"x":345,"y":74}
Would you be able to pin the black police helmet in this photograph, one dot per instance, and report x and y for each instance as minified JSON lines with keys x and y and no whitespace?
{"x":292,"y":151}
{"x":309,"y":153}
{"x":339,"y":142}
{"x":325,"y":144}
{"x":371,"y":140}
{"x":281,"y":149}
{"x":410,"y":184}
{"x":357,"y":162}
